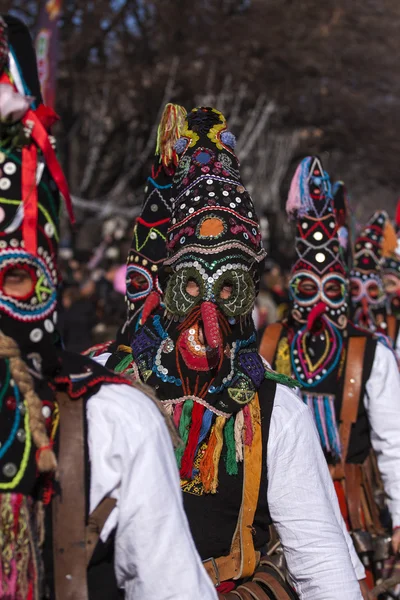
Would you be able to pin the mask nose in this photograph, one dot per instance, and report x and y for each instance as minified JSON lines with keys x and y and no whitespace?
{"x":364,"y":305}
{"x":212,"y":332}
{"x":314,"y":315}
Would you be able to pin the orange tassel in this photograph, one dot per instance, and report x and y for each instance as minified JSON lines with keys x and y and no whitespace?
{"x":389,"y":242}
{"x":207,"y":463}
{"x":210,"y":462}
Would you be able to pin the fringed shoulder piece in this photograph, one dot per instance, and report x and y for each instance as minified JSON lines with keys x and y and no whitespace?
{"x":282,"y":379}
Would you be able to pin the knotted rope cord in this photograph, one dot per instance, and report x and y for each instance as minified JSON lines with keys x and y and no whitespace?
{"x":45,"y":457}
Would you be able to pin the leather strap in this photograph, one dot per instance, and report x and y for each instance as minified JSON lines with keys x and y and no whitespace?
{"x":272,"y":584}
{"x":391,"y":330}
{"x":69,"y":508}
{"x":252,"y":468}
{"x":353,"y":483}
{"x":223,"y":568}
{"x":96,"y":523}
{"x":351,"y":397}
{"x":256,"y":592}
{"x":243,"y":558}
{"x":269,"y":342}
{"x":367,"y":469}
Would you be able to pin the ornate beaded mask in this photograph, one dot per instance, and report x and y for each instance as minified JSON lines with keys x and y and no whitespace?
{"x":214,"y":238}
{"x":318,"y":277}
{"x":29,"y":217}
{"x":391,"y":282}
{"x":214,"y":255}
{"x":148,"y":249}
{"x":368,"y":297}
{"x":391,"y":270}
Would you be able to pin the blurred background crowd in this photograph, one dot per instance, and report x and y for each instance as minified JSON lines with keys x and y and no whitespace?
{"x":293,"y":79}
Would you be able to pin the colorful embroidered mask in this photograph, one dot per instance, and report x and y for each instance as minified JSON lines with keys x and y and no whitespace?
{"x":214,"y":239}
{"x":368,"y":298}
{"x":391,"y":269}
{"x":148,"y":249}
{"x":30,"y":180}
{"x":214,"y":255}
{"x":318,"y":283}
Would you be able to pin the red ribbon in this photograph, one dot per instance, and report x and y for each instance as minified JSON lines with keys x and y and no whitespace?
{"x":29,"y":165}
{"x":30,"y":198}
{"x":41,"y":138}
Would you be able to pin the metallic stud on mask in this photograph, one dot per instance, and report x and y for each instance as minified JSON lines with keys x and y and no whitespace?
{"x":21,"y":435}
{"x":36,"y":335}
{"x":9,"y":470}
{"x":48,"y":325}
{"x":46,"y":411}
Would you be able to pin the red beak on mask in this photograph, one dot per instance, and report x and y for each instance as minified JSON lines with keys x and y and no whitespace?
{"x":151,"y":304}
{"x":315,"y":314}
{"x":212,"y":332}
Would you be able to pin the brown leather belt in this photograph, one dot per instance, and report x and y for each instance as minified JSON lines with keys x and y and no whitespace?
{"x":243,"y":559}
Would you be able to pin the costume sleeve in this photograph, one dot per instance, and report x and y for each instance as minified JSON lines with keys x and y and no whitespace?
{"x":132,"y":460}
{"x":304,"y":506}
{"x":382,"y":402}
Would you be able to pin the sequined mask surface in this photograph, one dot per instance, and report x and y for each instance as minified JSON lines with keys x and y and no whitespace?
{"x":148,"y":249}
{"x":214,"y":252}
{"x":318,"y":283}
{"x":29,"y":223}
{"x":391,"y":282}
{"x":368,"y":297}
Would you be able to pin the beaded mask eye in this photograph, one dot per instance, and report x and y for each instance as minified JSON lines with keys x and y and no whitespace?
{"x":307,"y":290}
{"x":231,"y":287}
{"x":178,"y":297}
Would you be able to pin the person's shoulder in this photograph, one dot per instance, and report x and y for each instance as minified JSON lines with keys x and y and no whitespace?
{"x":127,"y":405}
{"x":288,"y":402}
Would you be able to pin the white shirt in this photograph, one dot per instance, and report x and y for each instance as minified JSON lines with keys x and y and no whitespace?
{"x":132,"y":460}
{"x":301,"y":497}
{"x":382,"y":403}
{"x":304,"y":506}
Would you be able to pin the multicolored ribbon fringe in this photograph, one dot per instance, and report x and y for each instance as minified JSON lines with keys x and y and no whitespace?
{"x":223,"y":435}
{"x":19,"y":566}
{"x":324,"y":413}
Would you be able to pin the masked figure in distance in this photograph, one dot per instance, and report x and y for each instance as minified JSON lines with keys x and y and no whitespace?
{"x":200,"y":356}
{"x":391,"y":281}
{"x":349,"y":379}
{"x":345,"y":222}
{"x":368,"y":298}
{"x":70,"y":431}
{"x":148,"y":248}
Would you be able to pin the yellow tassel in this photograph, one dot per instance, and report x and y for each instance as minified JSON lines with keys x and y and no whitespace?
{"x":206,"y":468}
{"x":169,"y":131}
{"x":219,"y":434}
